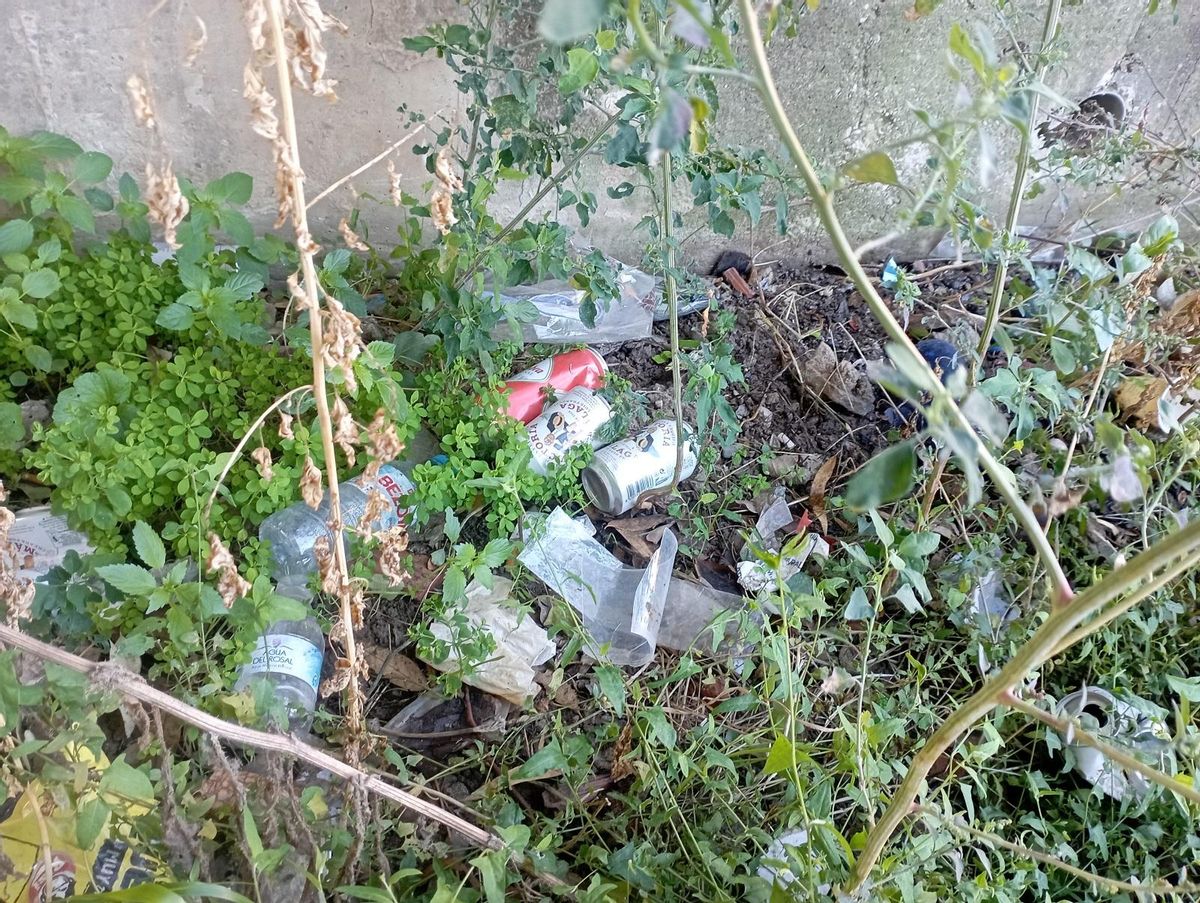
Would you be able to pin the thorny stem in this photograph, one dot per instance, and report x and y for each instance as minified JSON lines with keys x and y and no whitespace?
{"x":354,"y":701}
{"x":672,"y":296}
{"x":1070,"y":727}
{"x":822,"y":201}
{"x":557,"y":179}
{"x":1111,"y":885}
{"x":1018,"y":188}
{"x":1038,"y":649}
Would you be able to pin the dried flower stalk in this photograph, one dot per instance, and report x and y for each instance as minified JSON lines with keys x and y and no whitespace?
{"x":310,"y":60}
{"x":351,"y":238}
{"x":167,"y":204}
{"x":197,"y":44}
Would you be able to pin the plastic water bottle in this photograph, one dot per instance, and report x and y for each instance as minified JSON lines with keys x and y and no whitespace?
{"x":294,"y":531}
{"x":288,"y":657}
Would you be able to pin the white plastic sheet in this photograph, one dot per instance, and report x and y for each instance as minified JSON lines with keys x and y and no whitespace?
{"x":521,"y":643}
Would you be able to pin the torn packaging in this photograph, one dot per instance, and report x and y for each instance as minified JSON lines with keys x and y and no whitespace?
{"x":626,"y":611}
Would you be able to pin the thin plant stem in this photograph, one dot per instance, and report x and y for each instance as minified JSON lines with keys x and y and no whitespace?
{"x":1038,"y":649}
{"x":672,"y":296}
{"x":1111,"y":885}
{"x":1049,"y":30}
{"x":237,"y":450}
{"x":377,"y":158}
{"x":553,"y":182}
{"x":310,"y":286}
{"x":1001,"y":477}
{"x":1128,"y":761}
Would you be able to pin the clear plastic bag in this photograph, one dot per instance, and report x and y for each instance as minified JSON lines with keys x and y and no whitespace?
{"x":628,"y":316}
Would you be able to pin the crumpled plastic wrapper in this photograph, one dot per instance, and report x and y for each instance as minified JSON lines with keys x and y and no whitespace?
{"x":521,"y":643}
{"x":621,"y":607}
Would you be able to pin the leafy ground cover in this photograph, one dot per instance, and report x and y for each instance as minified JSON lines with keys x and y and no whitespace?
{"x":872,"y":729}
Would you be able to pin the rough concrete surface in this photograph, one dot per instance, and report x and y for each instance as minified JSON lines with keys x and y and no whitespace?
{"x":850,"y":80}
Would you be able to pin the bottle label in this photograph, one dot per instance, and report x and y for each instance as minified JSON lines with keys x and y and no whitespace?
{"x":572,"y":420}
{"x":394,"y":485}
{"x":538,"y":373}
{"x":282,"y":653}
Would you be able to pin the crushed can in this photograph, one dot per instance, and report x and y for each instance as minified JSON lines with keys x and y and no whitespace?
{"x":570,"y":370}
{"x":624,"y":470}
{"x":1122,"y":723}
{"x":572,"y":420}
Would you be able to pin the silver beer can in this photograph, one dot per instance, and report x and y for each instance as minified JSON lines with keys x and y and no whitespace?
{"x":621,"y":472}
{"x":573,"y":419}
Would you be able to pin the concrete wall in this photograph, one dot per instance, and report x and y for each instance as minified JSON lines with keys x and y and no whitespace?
{"x":850,"y":80}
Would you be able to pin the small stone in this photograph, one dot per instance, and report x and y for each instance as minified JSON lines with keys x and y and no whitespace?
{"x":742,"y":412}
{"x":782,"y":440}
{"x":1166,"y":294}
{"x":765,"y":415}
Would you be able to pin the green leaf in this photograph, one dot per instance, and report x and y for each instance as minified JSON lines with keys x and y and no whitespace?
{"x":924,"y":7}
{"x":671,"y":125}
{"x":1187,"y":687}
{"x":139,"y":893}
{"x":76,"y":212}
{"x":660,"y":728}
{"x":15,"y":235}
{"x":39,"y":358}
{"x":40,"y":283}
{"x":19,"y":313}
{"x":176,"y":316}
{"x":564,"y":21}
{"x":858,"y":608}
{"x":612,"y":686}
{"x":876,"y":167}
{"x":128,"y":187}
{"x":123,"y":780}
{"x":128,"y":578}
{"x":90,"y":820}
{"x":53,"y":146}
{"x":549,"y":758}
{"x":493,"y":874}
{"x":885,"y":478}
{"x":780,"y":757}
{"x":12,"y":426}
{"x":50,"y":250}
{"x":232,"y":188}
{"x":961,"y":45}
{"x":93,"y":166}
{"x":149,"y":547}
{"x":583,"y":67}
{"x":99,"y":199}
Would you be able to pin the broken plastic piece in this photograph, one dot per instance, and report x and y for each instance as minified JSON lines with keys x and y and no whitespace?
{"x":1121,"y":723}
{"x":991,"y":608}
{"x":690,"y":614}
{"x":437,"y":725}
{"x":891,"y":273}
{"x":521,"y":643}
{"x":775,"y":860}
{"x":760,"y":579}
{"x":622,"y":607}
{"x":690,"y":303}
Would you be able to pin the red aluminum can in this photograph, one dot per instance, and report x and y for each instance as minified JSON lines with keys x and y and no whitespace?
{"x":566,"y":371}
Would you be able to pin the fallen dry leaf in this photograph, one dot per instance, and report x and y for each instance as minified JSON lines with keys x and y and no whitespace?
{"x":394,"y":667}
{"x":1138,"y":398}
{"x":642,"y":534}
{"x":816,"y":495}
{"x":1063,"y":500}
